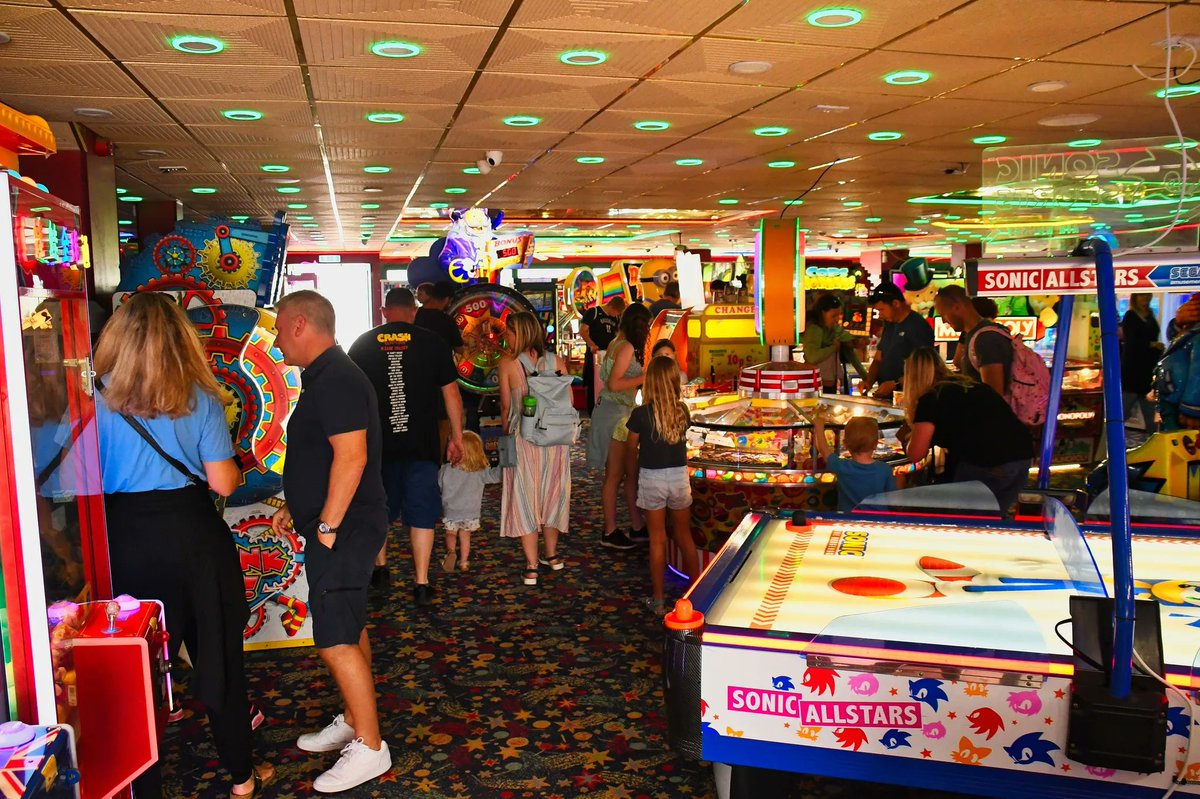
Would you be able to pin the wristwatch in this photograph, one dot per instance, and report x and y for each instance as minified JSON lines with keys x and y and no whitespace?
{"x":325,"y":529}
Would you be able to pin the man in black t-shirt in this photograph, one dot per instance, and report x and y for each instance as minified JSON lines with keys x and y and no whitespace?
{"x":904,"y":330}
{"x":432,"y":314}
{"x":597,"y":328}
{"x":410,"y":368}
{"x":335,"y":499}
{"x":993,"y":351}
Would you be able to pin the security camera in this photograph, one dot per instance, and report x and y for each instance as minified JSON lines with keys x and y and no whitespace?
{"x":483,"y":166}
{"x":494,"y":157}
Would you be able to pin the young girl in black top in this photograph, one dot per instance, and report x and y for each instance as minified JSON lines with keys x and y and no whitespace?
{"x":658,"y":434}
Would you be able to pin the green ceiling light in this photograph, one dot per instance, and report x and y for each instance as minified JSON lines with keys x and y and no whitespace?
{"x":122,"y":191}
{"x":310,"y":225}
{"x":921,"y":221}
{"x":907,"y":77}
{"x":368,"y":206}
{"x":689,"y":161}
{"x":852,"y":204}
{"x":794,"y":202}
{"x":124,"y":221}
{"x":987,"y":212}
{"x":652,"y":124}
{"x":590,"y":159}
{"x":771,"y":131}
{"x":275,"y":168}
{"x":1085,"y":143}
{"x":385,"y":117}
{"x":197,"y":45}
{"x":130,"y":198}
{"x":952,"y":217}
{"x":781,"y":164}
{"x":912,"y":230}
{"x":834,"y":17}
{"x":633,"y":227}
{"x":288,"y":189}
{"x":297,"y":206}
{"x":203,"y":190}
{"x":304,"y":217}
{"x":885,"y":135}
{"x":239,"y":218}
{"x":583,"y":58}
{"x":396,"y":49}
{"x":1187,"y":145}
{"x":421,"y":225}
{"x":377,"y":170}
{"x":522,"y":121}
{"x":454,"y":190}
{"x":873,"y":219}
{"x":242,"y":114}
{"x":727,"y":201}
{"x":989,"y":140}
{"x":439,"y":205}
{"x":1177,"y":91}
{"x":471,"y":170}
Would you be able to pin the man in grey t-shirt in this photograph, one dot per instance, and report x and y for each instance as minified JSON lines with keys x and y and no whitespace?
{"x":993,"y":351}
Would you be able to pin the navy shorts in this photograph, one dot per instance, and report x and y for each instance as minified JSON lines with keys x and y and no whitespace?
{"x":413,"y":493}
{"x":338,"y":578}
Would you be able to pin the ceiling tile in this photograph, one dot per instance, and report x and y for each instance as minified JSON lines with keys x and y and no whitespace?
{"x":622,"y":16}
{"x":125,"y":110}
{"x":792,"y":64}
{"x":347,"y":43}
{"x":355,"y":114}
{"x":188,"y":7}
{"x":1014,"y":84}
{"x":784,"y":21}
{"x":43,"y":34}
{"x":275,"y":112}
{"x":528,"y":93}
{"x":948,"y":72}
{"x":537,"y":52}
{"x":226,"y":84}
{"x":653,"y":98}
{"x":389,"y":90}
{"x":442,"y":12}
{"x":143,"y":37}
{"x":1137,"y":43}
{"x":100,"y":79}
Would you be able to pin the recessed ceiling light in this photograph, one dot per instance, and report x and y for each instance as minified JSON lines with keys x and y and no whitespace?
{"x":912,"y":230}
{"x":93,"y":113}
{"x":439,"y":205}
{"x":689,"y":161}
{"x":1177,"y":91}
{"x":130,"y":198}
{"x":152,"y":153}
{"x":124,"y":221}
{"x":1187,"y":144}
{"x":906,"y":77}
{"x":310,"y":224}
{"x":197,"y":45}
{"x":121,"y":191}
{"x":873,"y":219}
{"x":203,"y":190}
{"x":275,"y":168}
{"x":281,"y":181}
{"x":1044,"y":86}
{"x":852,"y":203}
{"x":377,"y":170}
{"x":989,"y":140}
{"x":522,"y":121}
{"x":1072,"y":120}
{"x":834,"y":18}
{"x":372,"y":189}
{"x":987,"y":212}
{"x":781,"y":164}
{"x":297,"y":206}
{"x":455,"y":190}
{"x":750,"y":67}
{"x":1086,"y":143}
{"x":396,"y":49}
{"x":885,"y":135}
{"x":583,"y":58}
{"x":652,"y":124}
{"x":772,"y":130}
{"x":242,"y":114}
{"x":4,"y":38}
{"x":727,"y":201}
{"x":471,"y":170}
{"x":794,"y":202}
{"x":368,"y":206}
{"x":385,"y":117}
{"x":288,"y":189}
{"x":590,"y":159}
{"x":304,"y":217}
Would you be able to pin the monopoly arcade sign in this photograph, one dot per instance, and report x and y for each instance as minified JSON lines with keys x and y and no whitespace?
{"x":1024,"y":326}
{"x":1173,"y":272}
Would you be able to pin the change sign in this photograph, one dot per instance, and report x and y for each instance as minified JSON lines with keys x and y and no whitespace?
{"x":1075,"y":276}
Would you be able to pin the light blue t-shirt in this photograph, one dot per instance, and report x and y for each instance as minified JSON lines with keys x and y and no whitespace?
{"x":128,"y":463}
{"x":857,"y":481}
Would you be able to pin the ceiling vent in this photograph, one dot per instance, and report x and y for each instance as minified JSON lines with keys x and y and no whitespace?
{"x":172,"y":169}
{"x":831,"y":109}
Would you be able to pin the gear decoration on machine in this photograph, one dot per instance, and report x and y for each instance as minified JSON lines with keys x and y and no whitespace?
{"x":271,"y":563}
{"x":174,"y":255}
{"x":262,"y":391}
{"x":480,"y":312}
{"x":227,"y":262}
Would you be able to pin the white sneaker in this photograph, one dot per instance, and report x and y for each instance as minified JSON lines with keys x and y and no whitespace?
{"x":358,"y":764}
{"x":330,"y":739}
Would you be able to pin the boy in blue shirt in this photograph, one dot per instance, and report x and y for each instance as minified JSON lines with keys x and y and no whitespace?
{"x":859,"y":476}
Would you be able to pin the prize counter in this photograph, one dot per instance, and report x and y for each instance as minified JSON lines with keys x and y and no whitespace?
{"x":747,"y":453}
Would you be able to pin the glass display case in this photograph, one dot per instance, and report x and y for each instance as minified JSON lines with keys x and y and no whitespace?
{"x":1079,"y":436}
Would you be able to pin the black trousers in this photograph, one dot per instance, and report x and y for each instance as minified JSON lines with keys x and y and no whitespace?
{"x":175,"y":547}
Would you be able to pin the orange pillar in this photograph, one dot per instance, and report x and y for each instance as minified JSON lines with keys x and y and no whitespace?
{"x":780,"y":290}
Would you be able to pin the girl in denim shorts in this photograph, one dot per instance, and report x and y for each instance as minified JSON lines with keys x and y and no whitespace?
{"x":658,"y":434}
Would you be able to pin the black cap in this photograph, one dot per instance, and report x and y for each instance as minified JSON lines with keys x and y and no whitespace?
{"x":885,"y":292}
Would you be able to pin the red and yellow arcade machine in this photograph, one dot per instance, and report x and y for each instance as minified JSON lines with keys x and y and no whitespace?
{"x":76,"y":665}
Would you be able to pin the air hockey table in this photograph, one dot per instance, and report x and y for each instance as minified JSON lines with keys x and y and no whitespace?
{"x":917,"y":651}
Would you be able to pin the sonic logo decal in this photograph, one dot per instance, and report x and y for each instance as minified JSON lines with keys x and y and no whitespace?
{"x":927,"y":690}
{"x":985,"y":721}
{"x":894,"y":739}
{"x":783,"y":683}
{"x":1032,"y":748}
{"x":820,"y":681}
{"x":1027,"y":703}
{"x":968,"y":754}
{"x":852,"y":738}
{"x":864,"y":684}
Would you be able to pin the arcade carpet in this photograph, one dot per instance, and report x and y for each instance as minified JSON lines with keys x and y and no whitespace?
{"x":497,"y":690}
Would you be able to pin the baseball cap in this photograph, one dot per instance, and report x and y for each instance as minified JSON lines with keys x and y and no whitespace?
{"x":885,"y":292}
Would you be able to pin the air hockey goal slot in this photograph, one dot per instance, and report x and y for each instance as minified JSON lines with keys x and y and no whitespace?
{"x":1130,"y":733}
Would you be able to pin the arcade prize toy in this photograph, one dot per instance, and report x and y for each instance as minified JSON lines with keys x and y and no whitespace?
{"x":53,"y":546}
{"x":959,"y":654}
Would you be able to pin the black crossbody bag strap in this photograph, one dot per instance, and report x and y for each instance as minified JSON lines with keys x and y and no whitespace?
{"x":141,"y":430}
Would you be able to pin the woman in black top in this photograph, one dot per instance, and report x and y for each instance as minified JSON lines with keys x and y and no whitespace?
{"x":989,"y":443}
{"x":1140,"y":353}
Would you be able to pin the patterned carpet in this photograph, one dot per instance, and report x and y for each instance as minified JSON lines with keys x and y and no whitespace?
{"x":497,"y":690}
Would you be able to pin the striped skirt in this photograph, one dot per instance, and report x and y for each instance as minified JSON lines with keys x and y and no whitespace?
{"x":537,"y":491}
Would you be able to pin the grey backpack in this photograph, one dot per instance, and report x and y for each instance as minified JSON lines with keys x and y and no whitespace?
{"x":555,"y":421}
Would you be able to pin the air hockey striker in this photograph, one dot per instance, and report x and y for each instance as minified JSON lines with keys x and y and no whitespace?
{"x":924,"y":651}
